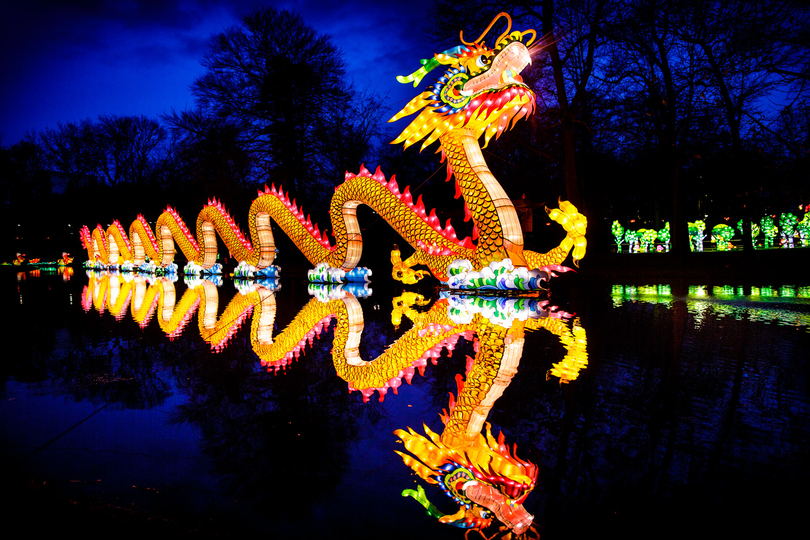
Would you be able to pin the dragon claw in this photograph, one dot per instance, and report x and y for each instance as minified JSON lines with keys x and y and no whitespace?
{"x":402,"y":271}
{"x":575,"y":225}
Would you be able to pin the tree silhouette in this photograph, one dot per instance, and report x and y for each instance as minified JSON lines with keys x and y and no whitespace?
{"x":284,"y":88}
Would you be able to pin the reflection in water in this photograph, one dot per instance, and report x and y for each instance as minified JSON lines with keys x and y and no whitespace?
{"x":763,"y":304}
{"x":684,"y":420}
{"x":478,"y":471}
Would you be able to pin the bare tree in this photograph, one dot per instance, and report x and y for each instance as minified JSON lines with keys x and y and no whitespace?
{"x":113,"y":151}
{"x":284,"y":88}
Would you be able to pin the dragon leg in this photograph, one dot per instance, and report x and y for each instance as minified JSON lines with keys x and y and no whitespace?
{"x":403,"y":271}
{"x":575,"y":225}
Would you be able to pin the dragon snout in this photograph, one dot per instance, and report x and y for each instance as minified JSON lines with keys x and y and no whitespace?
{"x":511,"y":514}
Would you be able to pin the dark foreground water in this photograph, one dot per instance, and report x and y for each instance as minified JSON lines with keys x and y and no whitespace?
{"x":133,"y":407}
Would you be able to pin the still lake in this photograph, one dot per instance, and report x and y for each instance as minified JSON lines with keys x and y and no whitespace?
{"x":650,"y":410}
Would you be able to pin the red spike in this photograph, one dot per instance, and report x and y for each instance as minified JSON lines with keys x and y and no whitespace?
{"x":379,"y":176}
{"x":467,"y":243}
{"x":419,"y":207}
{"x":363,"y":171}
{"x":406,"y":196}
{"x":475,"y":232}
{"x":392,"y":185}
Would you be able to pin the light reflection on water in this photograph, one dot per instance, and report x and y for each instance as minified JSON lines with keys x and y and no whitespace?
{"x":783,"y":305}
{"x":692,"y":407}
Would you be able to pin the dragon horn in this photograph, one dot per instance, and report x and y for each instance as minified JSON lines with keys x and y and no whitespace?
{"x":429,"y":65}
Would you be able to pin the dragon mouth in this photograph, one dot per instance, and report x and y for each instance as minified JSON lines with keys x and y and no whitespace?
{"x":511,"y":514}
{"x":505,"y":70}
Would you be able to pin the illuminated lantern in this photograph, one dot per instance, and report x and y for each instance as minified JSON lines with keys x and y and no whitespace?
{"x":631,"y":237}
{"x":803,"y":228}
{"x":665,"y":236}
{"x":618,"y":234}
{"x":754,"y":230}
{"x":647,"y":238}
{"x":480,"y":94}
{"x":696,"y":235}
{"x":769,"y":230}
{"x":788,"y":223}
{"x":722,"y":235}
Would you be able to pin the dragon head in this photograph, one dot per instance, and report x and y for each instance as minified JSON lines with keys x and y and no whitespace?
{"x":484,"y":478}
{"x":481,"y":89}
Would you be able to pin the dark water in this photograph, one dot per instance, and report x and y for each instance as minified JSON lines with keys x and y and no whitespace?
{"x":128,"y":411}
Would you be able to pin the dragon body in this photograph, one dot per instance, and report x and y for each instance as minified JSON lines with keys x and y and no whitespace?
{"x":481,"y":94}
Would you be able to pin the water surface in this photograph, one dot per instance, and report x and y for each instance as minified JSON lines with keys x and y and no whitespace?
{"x":686,"y":412}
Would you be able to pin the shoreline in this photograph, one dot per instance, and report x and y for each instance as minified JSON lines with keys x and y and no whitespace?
{"x":788,"y":265}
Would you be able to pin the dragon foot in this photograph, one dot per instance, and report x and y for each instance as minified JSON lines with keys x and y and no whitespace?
{"x":402,"y":272}
{"x":575,"y":225}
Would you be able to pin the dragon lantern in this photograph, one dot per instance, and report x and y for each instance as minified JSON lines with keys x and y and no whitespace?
{"x":480,"y":94}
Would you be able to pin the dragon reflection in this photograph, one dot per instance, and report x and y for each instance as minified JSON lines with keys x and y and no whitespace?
{"x":476,"y":469}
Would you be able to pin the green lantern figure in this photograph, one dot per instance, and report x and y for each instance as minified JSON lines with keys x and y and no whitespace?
{"x":665,"y":236}
{"x":803,"y":228}
{"x":648,"y":238}
{"x":754,"y":230}
{"x":696,"y":235}
{"x":618,"y":234}
{"x":631,"y":237}
{"x":769,"y":230}
{"x":722,"y":235}
{"x":788,"y":222}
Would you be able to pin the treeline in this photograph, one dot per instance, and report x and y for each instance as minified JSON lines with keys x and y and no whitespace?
{"x":648,"y":110}
{"x":660,"y":110}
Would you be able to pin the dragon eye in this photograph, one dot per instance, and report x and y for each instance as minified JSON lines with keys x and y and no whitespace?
{"x":482,"y":61}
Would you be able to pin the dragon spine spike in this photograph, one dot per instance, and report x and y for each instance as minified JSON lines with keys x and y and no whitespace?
{"x":392,"y":185}
{"x":406,"y":196}
{"x":379,"y":176}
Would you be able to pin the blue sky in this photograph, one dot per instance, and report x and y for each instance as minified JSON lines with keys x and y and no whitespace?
{"x":68,"y":61}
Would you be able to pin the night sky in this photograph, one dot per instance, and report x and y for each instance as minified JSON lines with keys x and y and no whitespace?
{"x":70,"y":61}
